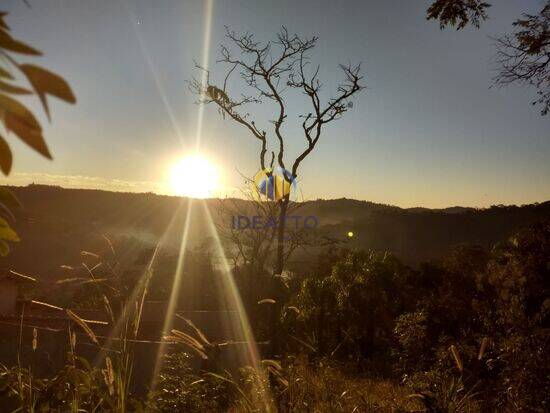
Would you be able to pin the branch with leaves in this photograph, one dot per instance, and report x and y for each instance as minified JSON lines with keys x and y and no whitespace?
{"x":16,"y":117}
{"x":458,"y":13}
{"x":524,"y":56}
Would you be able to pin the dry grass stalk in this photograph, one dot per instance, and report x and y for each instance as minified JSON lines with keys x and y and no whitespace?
{"x":181,"y":337}
{"x":483,"y":347}
{"x":197,"y":331}
{"x":110,"y":375}
{"x":456,"y":356}
{"x":83,"y":325}
{"x":46,"y":305}
{"x":26,"y":277}
{"x":34,"y":339}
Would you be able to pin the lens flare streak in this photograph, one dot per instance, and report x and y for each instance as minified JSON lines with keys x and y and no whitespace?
{"x":174,"y":295}
{"x":239,"y":319}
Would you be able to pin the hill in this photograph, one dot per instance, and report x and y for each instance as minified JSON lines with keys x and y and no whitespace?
{"x":55,"y":224}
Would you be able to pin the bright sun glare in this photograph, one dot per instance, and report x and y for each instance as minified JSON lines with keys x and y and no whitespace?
{"x":194,"y":176}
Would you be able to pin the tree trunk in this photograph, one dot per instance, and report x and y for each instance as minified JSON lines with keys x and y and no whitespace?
{"x":276,"y":282}
{"x":279,"y":259}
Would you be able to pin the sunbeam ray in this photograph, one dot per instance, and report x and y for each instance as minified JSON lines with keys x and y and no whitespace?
{"x":139,"y":289}
{"x":154,"y":74}
{"x":240,"y":324}
{"x":174,"y":295}
{"x":209,"y":7}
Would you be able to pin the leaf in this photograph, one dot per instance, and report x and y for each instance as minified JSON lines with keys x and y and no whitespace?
{"x":9,"y":43}
{"x":8,"y":198}
{"x":45,"y":82}
{"x":295,"y":309}
{"x":302,"y":342}
{"x":5,"y":73}
{"x":2,"y":22}
{"x":21,"y":121}
{"x":5,"y":156}
{"x":7,"y":201}
{"x":273,"y":363}
{"x":16,"y":90}
{"x":4,"y":249}
{"x":220,"y":377}
{"x":5,"y":211}
{"x":30,"y":136}
{"x":6,"y":232}
{"x":12,"y":106}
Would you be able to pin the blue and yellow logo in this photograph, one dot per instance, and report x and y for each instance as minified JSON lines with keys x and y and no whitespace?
{"x":274,"y":184}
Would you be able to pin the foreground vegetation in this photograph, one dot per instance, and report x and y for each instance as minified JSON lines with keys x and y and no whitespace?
{"x":356,"y":331}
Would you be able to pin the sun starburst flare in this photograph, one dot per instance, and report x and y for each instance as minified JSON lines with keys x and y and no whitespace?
{"x":194,"y":176}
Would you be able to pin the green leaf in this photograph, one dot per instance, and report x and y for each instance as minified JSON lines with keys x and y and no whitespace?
{"x":6,"y":232}
{"x":5,"y":156}
{"x":9,"y":43}
{"x":16,"y":90}
{"x":4,"y":248}
{"x":21,"y":121}
{"x":45,"y":82}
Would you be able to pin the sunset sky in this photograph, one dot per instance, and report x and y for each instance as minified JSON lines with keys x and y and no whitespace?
{"x":427,"y":131}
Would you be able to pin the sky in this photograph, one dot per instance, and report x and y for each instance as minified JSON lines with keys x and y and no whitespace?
{"x":428,"y":130}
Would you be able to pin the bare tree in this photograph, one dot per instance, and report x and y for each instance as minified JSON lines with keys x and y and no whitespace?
{"x":269,"y":71}
{"x":524,"y":56}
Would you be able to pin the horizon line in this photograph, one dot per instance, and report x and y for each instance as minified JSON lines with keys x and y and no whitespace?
{"x":122,"y":191}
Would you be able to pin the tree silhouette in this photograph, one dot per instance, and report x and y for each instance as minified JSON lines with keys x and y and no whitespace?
{"x":269,"y":71}
{"x":524,"y":56}
{"x":458,"y":13}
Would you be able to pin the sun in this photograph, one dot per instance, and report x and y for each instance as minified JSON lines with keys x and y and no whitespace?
{"x":194,"y":176}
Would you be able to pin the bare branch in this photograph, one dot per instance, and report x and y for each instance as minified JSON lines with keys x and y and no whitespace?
{"x":208,"y":93}
{"x":335,"y":107}
{"x":524,"y":57}
{"x":269,"y":70}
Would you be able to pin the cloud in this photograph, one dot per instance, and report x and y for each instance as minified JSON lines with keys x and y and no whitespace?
{"x":85,"y":182}
{"x":106,"y":184}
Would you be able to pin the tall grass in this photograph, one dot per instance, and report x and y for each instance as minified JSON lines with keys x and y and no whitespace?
{"x":80,"y":386}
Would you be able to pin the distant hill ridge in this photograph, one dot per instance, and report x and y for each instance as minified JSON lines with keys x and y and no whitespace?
{"x":55,"y":190}
{"x":57,"y":223}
